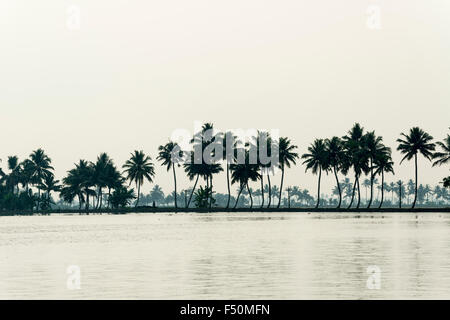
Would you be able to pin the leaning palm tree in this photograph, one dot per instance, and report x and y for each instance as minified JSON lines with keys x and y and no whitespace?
{"x":335,"y":155}
{"x":444,"y":156}
{"x":40,"y":164}
{"x":287,"y":157}
{"x":170,"y":155}
{"x":383,"y":164}
{"x":138,"y":169}
{"x":417,"y":141}
{"x":316,"y":160}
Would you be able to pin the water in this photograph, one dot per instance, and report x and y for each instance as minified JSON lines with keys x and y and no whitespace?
{"x":226,"y":256}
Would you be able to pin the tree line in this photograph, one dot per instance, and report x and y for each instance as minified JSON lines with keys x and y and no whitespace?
{"x":28,"y":185}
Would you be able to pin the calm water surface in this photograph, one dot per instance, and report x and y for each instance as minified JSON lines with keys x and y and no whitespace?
{"x":226,"y":256}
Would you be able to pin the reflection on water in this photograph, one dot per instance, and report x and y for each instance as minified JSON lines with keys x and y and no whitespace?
{"x":226,"y":256}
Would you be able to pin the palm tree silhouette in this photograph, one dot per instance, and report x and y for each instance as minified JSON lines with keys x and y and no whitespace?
{"x":373,"y":145}
{"x":444,"y":156}
{"x":383,"y":163}
{"x":287,"y":157}
{"x":48,"y":185}
{"x":242,"y":173}
{"x":417,"y":141}
{"x":229,"y":150}
{"x":316,"y":160}
{"x":40,"y":166}
{"x":335,"y":154}
{"x":170,"y":155}
{"x":138,"y":169}
{"x":356,"y":157}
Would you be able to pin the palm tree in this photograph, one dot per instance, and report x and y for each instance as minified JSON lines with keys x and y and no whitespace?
{"x":335,"y":154}
{"x":170,"y":155}
{"x":242,"y":174}
{"x":102,"y":171}
{"x":41,"y":167}
{"x":444,"y":156}
{"x":287,"y":157}
{"x":229,"y":147}
{"x":383,"y":163}
{"x":138,"y":169}
{"x":157,"y":195}
{"x":373,"y":145}
{"x":316,"y":160}
{"x":204,"y":144}
{"x":417,"y":141}
{"x":48,"y":185}
{"x":263,"y":141}
{"x":193,"y":171}
{"x":13,"y":177}
{"x":78,"y":183}
{"x":356,"y":157}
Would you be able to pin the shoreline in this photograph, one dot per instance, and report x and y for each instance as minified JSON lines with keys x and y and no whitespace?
{"x":212,"y":210}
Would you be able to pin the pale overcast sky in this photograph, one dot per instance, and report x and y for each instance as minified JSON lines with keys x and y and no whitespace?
{"x":135,"y":71}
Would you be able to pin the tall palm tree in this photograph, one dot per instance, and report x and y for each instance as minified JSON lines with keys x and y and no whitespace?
{"x":101,"y":171}
{"x":287,"y":157}
{"x":204,"y":144}
{"x":356,"y":157}
{"x":417,"y":141}
{"x":138,"y":169}
{"x":170,"y":155}
{"x":48,"y":185}
{"x":373,"y":145}
{"x":335,"y":155}
{"x":229,"y":148}
{"x":40,"y":164}
{"x":383,"y":163}
{"x":444,"y":156}
{"x":242,"y":173}
{"x":316,"y":160}
{"x":263,"y":142}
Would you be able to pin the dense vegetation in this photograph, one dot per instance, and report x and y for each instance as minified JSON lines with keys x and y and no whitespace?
{"x":361,"y":157}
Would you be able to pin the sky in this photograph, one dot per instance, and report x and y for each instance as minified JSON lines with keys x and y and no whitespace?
{"x":82,"y":77}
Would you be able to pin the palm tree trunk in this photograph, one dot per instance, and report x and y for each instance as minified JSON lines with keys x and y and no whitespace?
{"x":371,"y":184}
{"x":353,"y":194}
{"x":100,"y":197}
{"x":281,"y":186}
{"x":109,"y":196}
{"x":239,"y":194}
{"x":382,"y":189}
{"x":87,"y":200}
{"x":359,"y":193}
{"x":251,"y":198}
{"x":318,"y":187}
{"x":339,"y":187}
{"x":139,"y":194}
{"x":415,"y":189}
{"x":210,"y":192}
{"x":228,"y":185}
{"x":262,"y":190}
{"x":193,"y":189}
{"x":270,"y":192}
{"x":175,"y":183}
